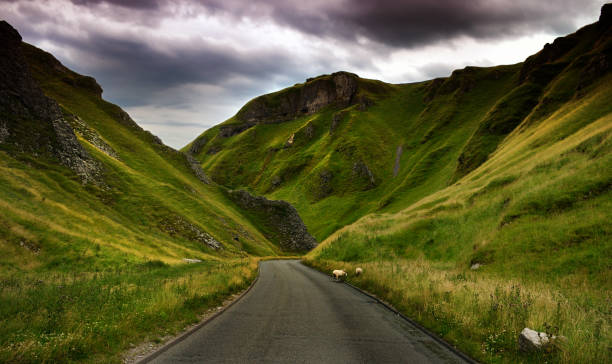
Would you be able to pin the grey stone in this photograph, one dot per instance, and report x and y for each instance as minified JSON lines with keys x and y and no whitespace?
{"x":398,"y":156}
{"x":197,"y":145}
{"x":360,"y":169}
{"x":336,"y":119}
{"x":177,"y":225}
{"x":337,"y":89}
{"x":34,"y":122}
{"x":281,"y":219}
{"x":191,"y":261}
{"x":197,"y":169}
{"x":531,"y":340}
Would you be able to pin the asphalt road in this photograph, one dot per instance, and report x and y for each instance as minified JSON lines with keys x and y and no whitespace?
{"x":294,"y":314}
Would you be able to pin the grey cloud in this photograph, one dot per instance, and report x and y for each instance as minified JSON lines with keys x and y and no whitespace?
{"x":134,"y":4}
{"x":413,"y":23}
{"x":433,"y":70}
{"x":136,"y":74}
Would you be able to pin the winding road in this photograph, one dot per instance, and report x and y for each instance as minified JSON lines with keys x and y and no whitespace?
{"x":294,"y":314}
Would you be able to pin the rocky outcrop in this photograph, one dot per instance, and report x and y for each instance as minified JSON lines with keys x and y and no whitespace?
{"x":548,"y":62}
{"x":177,"y":225}
{"x":324,"y":187}
{"x":30,"y":121}
{"x":398,"y":157}
{"x":281,"y":221}
{"x":197,"y":145}
{"x":363,"y":172}
{"x":337,"y":89}
{"x":336,"y":119}
{"x":197,"y":169}
{"x":81,"y":127}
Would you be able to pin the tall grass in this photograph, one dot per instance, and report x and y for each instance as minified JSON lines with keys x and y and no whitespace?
{"x":94,"y":316}
{"x":484,"y":315}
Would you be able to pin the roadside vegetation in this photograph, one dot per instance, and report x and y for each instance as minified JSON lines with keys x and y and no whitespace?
{"x":533,"y":222}
{"x":482,"y":314}
{"x":506,"y":170}
{"x":92,"y":316}
{"x":87,"y":270}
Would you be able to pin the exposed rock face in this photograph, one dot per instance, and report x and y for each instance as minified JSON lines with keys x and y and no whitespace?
{"x":30,"y":121}
{"x":177,"y":225}
{"x":541,"y":65}
{"x":80,"y":126}
{"x":338,"y":89}
{"x":336,"y":119}
{"x":197,"y":169}
{"x":282,"y":221}
{"x":398,"y":156}
{"x":325,"y":184}
{"x":361,"y":170}
{"x":197,"y":145}
{"x":227,"y":131}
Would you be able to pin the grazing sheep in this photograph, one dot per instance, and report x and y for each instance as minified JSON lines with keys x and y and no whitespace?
{"x":339,"y":273}
{"x":358,"y":271}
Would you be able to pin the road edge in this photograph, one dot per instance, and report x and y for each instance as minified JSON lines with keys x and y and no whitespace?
{"x":195,"y":328}
{"x":389,"y":307}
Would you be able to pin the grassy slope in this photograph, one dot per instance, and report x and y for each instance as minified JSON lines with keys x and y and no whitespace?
{"x":431,"y":135}
{"x":85,"y":270}
{"x":536,"y":214}
{"x":508,"y":167}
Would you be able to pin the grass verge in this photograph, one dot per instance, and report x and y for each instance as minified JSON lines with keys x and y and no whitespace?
{"x":483,"y":315}
{"x":94,"y":316}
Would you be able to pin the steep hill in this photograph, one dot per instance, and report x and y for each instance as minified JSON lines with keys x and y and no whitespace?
{"x":97,"y":216}
{"x":339,"y":146}
{"x":479,"y":204}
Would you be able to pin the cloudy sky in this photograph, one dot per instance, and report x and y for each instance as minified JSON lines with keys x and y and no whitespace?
{"x":179,"y":67}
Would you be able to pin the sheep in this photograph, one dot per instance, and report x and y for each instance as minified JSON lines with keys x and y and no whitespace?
{"x":358,"y":271}
{"x":339,"y":273}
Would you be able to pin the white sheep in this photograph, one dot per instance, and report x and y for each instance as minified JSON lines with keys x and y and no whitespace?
{"x":358,"y":271}
{"x":339,"y":273}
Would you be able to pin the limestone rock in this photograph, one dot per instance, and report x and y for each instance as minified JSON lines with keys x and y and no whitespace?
{"x":336,"y":121}
{"x":531,"y":341}
{"x":177,"y":225}
{"x":81,"y":127}
{"x":191,"y":261}
{"x":197,"y":168}
{"x":281,"y":219}
{"x":398,"y":156}
{"x":337,"y":89}
{"x":197,"y":145}
{"x":361,"y":170}
{"x":32,"y":122}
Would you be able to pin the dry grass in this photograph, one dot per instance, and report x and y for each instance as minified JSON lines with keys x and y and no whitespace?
{"x":467,"y":308}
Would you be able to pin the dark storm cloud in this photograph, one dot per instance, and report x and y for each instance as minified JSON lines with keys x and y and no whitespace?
{"x":134,"y":4}
{"x":135,"y":69}
{"x":412,"y":23}
{"x":192,"y":56}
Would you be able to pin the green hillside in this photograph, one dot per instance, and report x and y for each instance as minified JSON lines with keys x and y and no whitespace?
{"x":94,"y":230}
{"x":504,"y":169}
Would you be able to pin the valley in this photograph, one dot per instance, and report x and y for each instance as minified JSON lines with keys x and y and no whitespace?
{"x":476,"y":204}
